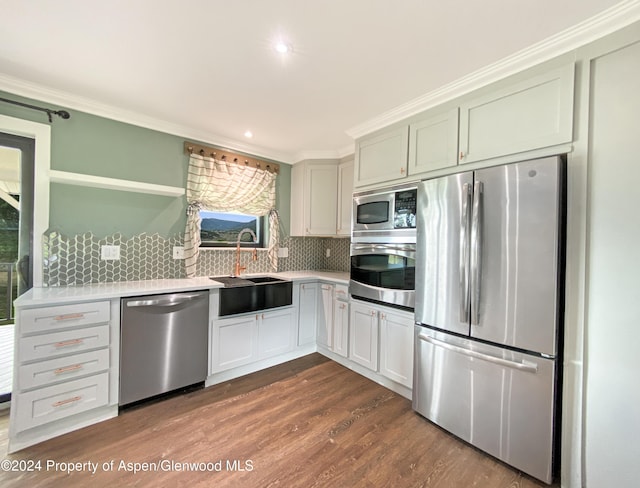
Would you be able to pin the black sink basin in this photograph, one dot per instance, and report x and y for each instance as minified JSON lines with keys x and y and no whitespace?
{"x":242,"y":295}
{"x":264,"y":279}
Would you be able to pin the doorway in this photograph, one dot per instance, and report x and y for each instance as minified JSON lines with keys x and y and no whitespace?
{"x":16,"y":241}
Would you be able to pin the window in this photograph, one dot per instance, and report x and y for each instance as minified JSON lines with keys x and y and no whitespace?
{"x":221,"y":229}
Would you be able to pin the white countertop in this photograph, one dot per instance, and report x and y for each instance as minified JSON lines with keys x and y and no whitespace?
{"x":106,"y":291}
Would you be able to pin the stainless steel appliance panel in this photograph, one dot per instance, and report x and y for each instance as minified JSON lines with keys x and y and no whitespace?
{"x":442,"y":265}
{"x":514,"y":255}
{"x":384,"y":273}
{"x":385,"y":216}
{"x":500,"y":401}
{"x":163,"y":343}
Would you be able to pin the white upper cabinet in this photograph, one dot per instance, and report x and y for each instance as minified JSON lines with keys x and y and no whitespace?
{"x":345,"y":197}
{"x":525,"y":116}
{"x":433,"y":142}
{"x":507,"y":121}
{"x":314,"y":198}
{"x":382,"y":158}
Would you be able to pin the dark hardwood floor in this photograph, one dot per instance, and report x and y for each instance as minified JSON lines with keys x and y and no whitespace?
{"x":305,"y":423}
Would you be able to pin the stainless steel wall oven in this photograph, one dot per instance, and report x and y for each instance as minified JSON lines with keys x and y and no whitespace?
{"x":384,"y":273}
{"x":383,"y":246}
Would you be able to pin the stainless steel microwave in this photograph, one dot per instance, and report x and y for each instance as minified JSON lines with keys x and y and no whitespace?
{"x":385,"y":215}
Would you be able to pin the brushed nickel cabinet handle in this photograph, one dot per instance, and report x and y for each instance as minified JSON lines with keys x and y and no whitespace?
{"x":66,"y":402}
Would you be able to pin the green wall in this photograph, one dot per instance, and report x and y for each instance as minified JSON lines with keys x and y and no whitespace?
{"x":98,"y":146}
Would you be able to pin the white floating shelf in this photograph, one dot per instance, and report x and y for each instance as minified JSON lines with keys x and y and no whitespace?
{"x":78,"y":179}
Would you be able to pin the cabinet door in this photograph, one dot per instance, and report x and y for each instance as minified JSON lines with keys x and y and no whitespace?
{"x":276,"y":333}
{"x":433,"y":142}
{"x":341,"y":328}
{"x":325,"y":316}
{"x":234,"y":344}
{"x":307,"y":313}
{"x":321,"y":201}
{"x":530,"y":115}
{"x":382,"y":158}
{"x":345,"y":198}
{"x":396,"y":346}
{"x":363,"y":335}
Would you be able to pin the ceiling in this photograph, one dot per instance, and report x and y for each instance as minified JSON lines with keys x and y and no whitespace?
{"x":206,"y":69}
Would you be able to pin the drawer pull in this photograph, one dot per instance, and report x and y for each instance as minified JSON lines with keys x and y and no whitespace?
{"x":72,"y":342}
{"x":68,"y":369}
{"x":66,"y":402}
{"x":68,"y":316}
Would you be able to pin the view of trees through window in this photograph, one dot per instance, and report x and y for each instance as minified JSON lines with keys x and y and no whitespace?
{"x":9,"y":220}
{"x":222,"y":228}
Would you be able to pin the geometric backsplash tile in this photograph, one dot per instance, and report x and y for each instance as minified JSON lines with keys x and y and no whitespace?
{"x":76,"y":260}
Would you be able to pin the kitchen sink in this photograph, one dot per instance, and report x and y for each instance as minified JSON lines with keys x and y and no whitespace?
{"x":264,"y":279}
{"x":242,"y":295}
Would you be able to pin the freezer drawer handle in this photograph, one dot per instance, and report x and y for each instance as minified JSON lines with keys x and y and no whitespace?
{"x":526,"y":367}
{"x":167,"y":301}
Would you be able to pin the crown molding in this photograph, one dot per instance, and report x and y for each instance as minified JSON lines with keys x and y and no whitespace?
{"x":75,"y":102}
{"x":304,"y":155}
{"x":615,"y":18}
{"x":347,"y":151}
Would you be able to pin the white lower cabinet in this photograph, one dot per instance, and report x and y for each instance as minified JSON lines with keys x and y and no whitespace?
{"x":307,"y":312}
{"x":234,"y":342}
{"x":341,"y":328}
{"x":66,"y":361}
{"x":381,"y":339}
{"x":276,"y":333}
{"x":325,"y":316}
{"x":396,"y":346}
{"x":363,"y":334}
{"x":245,"y":339}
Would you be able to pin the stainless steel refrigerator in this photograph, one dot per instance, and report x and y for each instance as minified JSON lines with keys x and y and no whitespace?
{"x":489,"y":286}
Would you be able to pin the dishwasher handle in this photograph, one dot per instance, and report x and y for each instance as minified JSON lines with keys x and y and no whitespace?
{"x":165,"y":300}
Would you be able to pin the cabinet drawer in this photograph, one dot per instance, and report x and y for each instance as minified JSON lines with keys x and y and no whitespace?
{"x":342,"y":292}
{"x":67,"y":342}
{"x":61,"y":369}
{"x":59,"y":401}
{"x":51,"y":318}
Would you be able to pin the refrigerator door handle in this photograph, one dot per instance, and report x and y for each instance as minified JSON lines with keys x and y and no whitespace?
{"x":522,"y":366}
{"x":476,"y":252}
{"x":465,"y":223}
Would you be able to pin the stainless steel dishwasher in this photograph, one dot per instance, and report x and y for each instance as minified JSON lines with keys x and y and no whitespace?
{"x":163,"y":343}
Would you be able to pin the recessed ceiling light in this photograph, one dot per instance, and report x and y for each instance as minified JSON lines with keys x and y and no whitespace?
{"x":248,"y":134}
{"x":282,"y":47}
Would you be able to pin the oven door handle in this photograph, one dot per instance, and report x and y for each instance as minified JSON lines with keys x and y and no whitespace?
{"x":403,"y":251}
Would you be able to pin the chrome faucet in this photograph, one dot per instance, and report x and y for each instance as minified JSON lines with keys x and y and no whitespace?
{"x":238,"y":268}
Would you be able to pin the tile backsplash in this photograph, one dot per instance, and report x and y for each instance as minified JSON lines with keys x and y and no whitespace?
{"x":76,"y":260}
